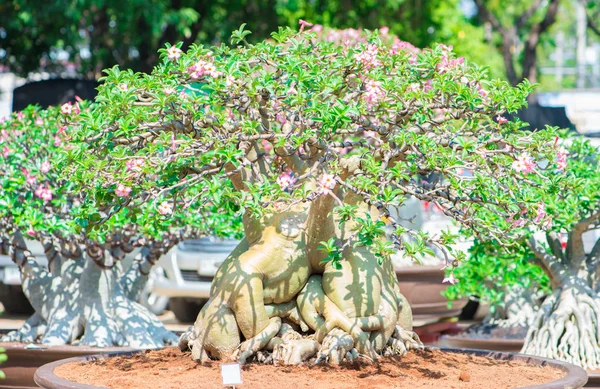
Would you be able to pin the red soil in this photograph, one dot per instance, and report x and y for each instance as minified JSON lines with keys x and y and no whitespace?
{"x":170,"y":368}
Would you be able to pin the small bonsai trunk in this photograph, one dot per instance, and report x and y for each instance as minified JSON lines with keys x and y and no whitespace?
{"x":566,"y":326}
{"x":519,"y":309}
{"x":78,"y":301}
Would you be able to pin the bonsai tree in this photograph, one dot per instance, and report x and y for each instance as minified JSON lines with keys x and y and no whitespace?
{"x":84,"y":295}
{"x":311,"y":143}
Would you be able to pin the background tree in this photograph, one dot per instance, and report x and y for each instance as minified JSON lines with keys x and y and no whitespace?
{"x":520,"y":26}
{"x":88,"y":36}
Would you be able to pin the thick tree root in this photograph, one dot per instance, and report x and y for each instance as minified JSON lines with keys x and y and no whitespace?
{"x":567,"y":328}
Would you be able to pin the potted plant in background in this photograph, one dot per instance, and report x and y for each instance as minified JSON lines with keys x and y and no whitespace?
{"x":564,"y":326}
{"x":311,"y":143}
{"x":85,"y":296}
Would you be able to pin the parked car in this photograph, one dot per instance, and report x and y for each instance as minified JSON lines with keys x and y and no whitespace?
{"x":188,"y":272}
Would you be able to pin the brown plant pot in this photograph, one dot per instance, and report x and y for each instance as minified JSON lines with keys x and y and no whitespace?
{"x":422,"y":286}
{"x":22,"y":363}
{"x":499,"y":344}
{"x":575,"y":377}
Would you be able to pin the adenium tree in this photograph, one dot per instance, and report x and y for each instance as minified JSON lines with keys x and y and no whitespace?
{"x":84,"y":295}
{"x":310,"y":143}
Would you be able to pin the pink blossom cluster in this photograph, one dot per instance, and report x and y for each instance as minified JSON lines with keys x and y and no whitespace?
{"x":29,"y":178}
{"x":326,"y":184}
{"x":524,"y":164}
{"x":501,"y":119}
{"x":286,"y":180}
{"x":122,"y":190}
{"x":43,"y":193}
{"x":368,"y":57}
{"x":6,"y":151}
{"x":561,"y":159}
{"x":135,"y":164}
{"x":69,"y":108}
{"x":45,"y":168}
{"x":449,"y":63}
{"x":398,"y":46}
{"x":165,"y":208}
{"x":374,"y":93}
{"x":201,"y":69}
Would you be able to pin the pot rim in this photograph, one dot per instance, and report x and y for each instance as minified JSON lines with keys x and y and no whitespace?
{"x":576,"y":376}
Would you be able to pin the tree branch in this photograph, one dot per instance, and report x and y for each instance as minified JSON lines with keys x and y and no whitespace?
{"x":550,"y":264}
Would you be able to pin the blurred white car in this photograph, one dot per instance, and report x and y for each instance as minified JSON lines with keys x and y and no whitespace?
{"x":187,"y":273}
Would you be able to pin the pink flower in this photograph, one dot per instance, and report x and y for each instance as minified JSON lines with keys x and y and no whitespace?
{"x":169,"y":90}
{"x":57,"y":141}
{"x":450,"y":279}
{"x":304,"y":24}
{"x":61,"y":130}
{"x":368,"y":57}
{"x":39,"y":122}
{"x":45,"y":167}
{"x":524,"y":164}
{"x":76,"y":109}
{"x":20,"y":115}
{"x":374,"y":93}
{"x":122,"y":190}
{"x":135,"y":164}
{"x":447,"y":63}
{"x":43,"y":193}
{"x":384,"y":30}
{"x":428,"y":85}
{"x":501,"y":119}
{"x":280,"y":117}
{"x":540,"y":213}
{"x":6,"y":151}
{"x":30,"y":231}
{"x":327,"y":183}
{"x":561,"y":159}
{"x":201,"y":69}
{"x":286,"y":180}
{"x":30,"y":179}
{"x":123,"y":87}
{"x":66,"y":108}
{"x":173,"y":53}
{"x":165,"y":208}
{"x":516,"y":223}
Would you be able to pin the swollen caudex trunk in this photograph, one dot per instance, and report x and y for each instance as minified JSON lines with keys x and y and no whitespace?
{"x":79,"y":301}
{"x":273,"y":291}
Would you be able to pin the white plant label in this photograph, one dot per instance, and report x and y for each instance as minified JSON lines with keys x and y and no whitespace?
{"x":231,"y":373}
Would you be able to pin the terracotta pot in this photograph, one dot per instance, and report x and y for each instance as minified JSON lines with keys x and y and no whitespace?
{"x":22,"y":363}
{"x":423,"y":287}
{"x":576,"y":377}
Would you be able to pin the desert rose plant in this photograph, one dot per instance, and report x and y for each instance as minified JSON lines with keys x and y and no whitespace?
{"x":310,"y":143}
{"x":84,"y":295}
